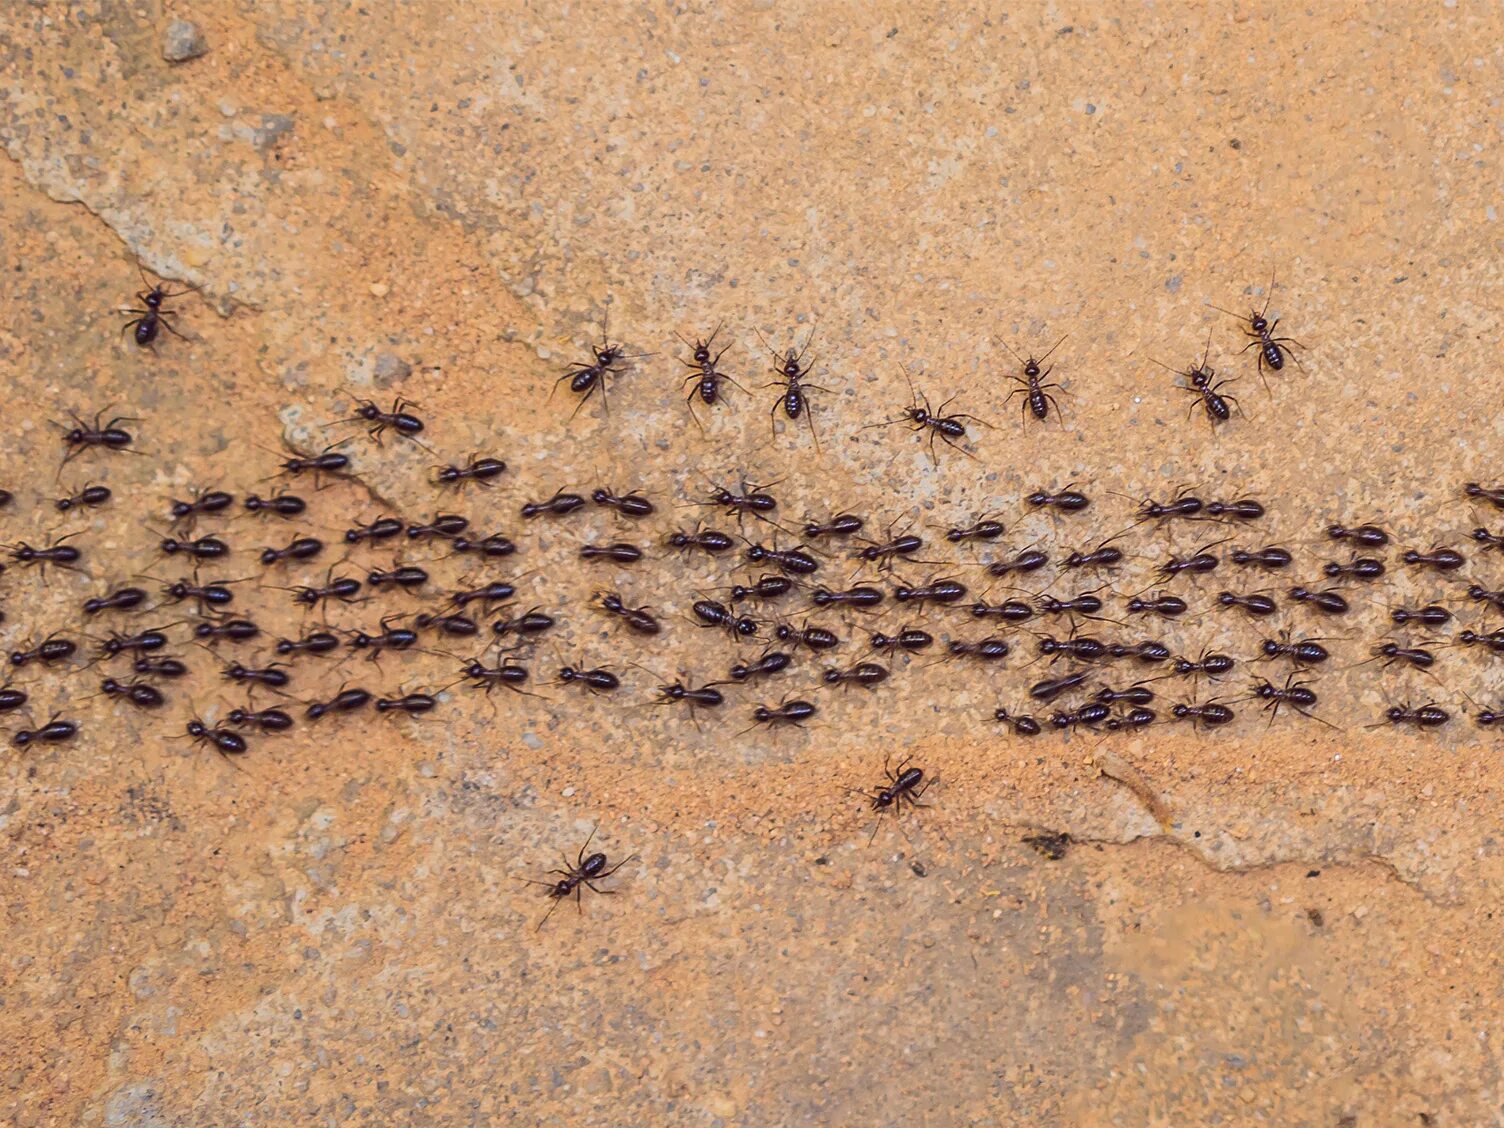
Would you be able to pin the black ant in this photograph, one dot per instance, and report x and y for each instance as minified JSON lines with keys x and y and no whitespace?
{"x":53,"y":732}
{"x":705,"y":697}
{"x":910,"y":639}
{"x":714,"y":614}
{"x":584,"y":379}
{"x":48,"y":651}
{"x":1031,"y":384}
{"x":1203,"y":388}
{"x":282,"y":505}
{"x":1272,"y":349}
{"x":1051,"y":688}
{"x":1211,"y":714}
{"x":153,"y":317}
{"x":81,"y":436}
{"x":767,"y":664}
{"x":399,"y":419}
{"x":593,"y":681}
{"x":705,"y":376}
{"x":1429,"y":715}
{"x":906,"y":785}
{"x":1022,"y":724}
{"x":122,"y":599}
{"x":1296,"y":694}
{"x":328,"y":461}
{"x":487,"y":678}
{"x":1303,"y":652}
{"x":791,"y":379}
{"x":788,"y":712}
{"x":532,"y":622}
{"x":1271,"y":557}
{"x":225,"y":742}
{"x":628,"y":504}
{"x":638,"y":619}
{"x":1183,"y":504}
{"x":92,"y":496}
{"x":58,"y":554}
{"x":842,"y":525}
{"x":947,"y":428}
{"x":139,"y":694}
{"x":584,"y":872}
{"x":866,"y":674}
{"x":480,"y":470}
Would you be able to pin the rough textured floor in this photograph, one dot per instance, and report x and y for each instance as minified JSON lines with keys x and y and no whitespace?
{"x":1284,"y":924}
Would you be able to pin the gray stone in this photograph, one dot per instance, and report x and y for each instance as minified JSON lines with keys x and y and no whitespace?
{"x":184,"y":40}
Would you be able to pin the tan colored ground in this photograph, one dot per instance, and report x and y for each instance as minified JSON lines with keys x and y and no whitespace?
{"x":1287,"y":925}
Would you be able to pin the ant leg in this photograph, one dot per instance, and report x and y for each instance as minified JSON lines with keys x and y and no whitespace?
{"x":162,"y":320}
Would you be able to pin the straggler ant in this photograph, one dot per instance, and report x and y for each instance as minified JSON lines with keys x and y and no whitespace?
{"x":947,"y":428}
{"x":1260,"y":330}
{"x":584,"y":871}
{"x":147,"y":321}
{"x":1032,"y":387}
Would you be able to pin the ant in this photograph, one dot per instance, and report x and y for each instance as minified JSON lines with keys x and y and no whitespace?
{"x":1328,"y":602}
{"x":910,"y":639}
{"x":619,"y":552}
{"x":593,"y":681}
{"x":1303,"y":652}
{"x":345,"y":701}
{"x":557,"y":506}
{"x":705,"y":374}
{"x":328,"y":461}
{"x":708,"y":541}
{"x":47,"y":652}
{"x":59,"y":555}
{"x":1272,"y":349}
{"x":584,"y":872}
{"x":753,"y":499}
{"x":90,"y":495}
{"x":1051,"y":688}
{"x":947,"y":428}
{"x":1255,"y":604}
{"x":1031,"y":384}
{"x":380,"y":529}
{"x":153,"y":317}
{"x":1211,"y":714}
{"x":1494,"y":495}
{"x":770,"y":662}
{"x":1067,"y":500}
{"x":413,"y":704}
{"x":705,"y":697}
{"x":139,"y":694}
{"x":1022,"y":725}
{"x":225,"y":742}
{"x":791,"y":375}
{"x":1393,"y":652}
{"x":1296,"y":694}
{"x":480,"y":470}
{"x":866,"y":674}
{"x":1203,"y":388}
{"x":1212,"y":665}
{"x":53,"y":732}
{"x":266,"y":720}
{"x":456,"y":626}
{"x":487,"y":678}
{"x":122,"y":599}
{"x":1271,"y":558}
{"x":1429,"y":715}
{"x":786,"y":712}
{"x":714,"y":614}
{"x":584,"y":379}
{"x":984,"y":530}
{"x":202,"y":502}
{"x":637,"y":618}
{"x":906,"y":785}
{"x":1183,"y":504}
{"x":529,"y":623}
{"x":160,"y":667}
{"x":82,"y":435}
{"x":282,"y":505}
{"x":1369,"y":536}
{"x":628,"y":505}
{"x":319,"y":642}
{"x":816,"y":638}
{"x":842,"y":525}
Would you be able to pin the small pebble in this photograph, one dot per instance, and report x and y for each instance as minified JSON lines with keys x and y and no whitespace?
{"x":184,"y":40}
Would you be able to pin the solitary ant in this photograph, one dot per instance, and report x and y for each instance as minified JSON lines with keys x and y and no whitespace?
{"x":584,"y":871}
{"x":947,"y":428}
{"x":153,"y":317}
{"x":1203,"y":388}
{"x":904,"y":786}
{"x":1272,"y":349}
{"x":791,"y":373}
{"x":1031,"y":384}
{"x":584,"y":379}
{"x":82,"y":435}
{"x":705,"y":375}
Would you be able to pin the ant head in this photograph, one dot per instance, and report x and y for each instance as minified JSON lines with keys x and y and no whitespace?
{"x":1395,"y":713}
{"x":1258,"y":322}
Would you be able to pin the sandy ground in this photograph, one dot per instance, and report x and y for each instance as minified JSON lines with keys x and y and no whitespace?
{"x":1283,"y":924}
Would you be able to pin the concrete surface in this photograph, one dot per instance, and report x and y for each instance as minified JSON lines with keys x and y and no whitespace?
{"x":1285,"y":924}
